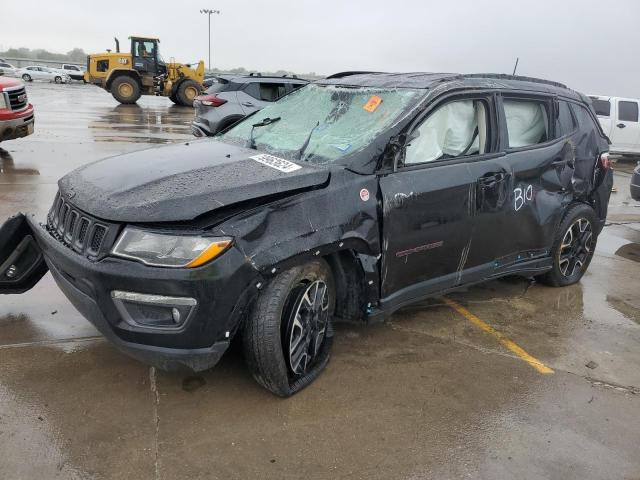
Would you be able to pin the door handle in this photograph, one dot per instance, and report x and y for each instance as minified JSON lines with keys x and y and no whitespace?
{"x":248,"y":104}
{"x":621,"y":125}
{"x":491,"y":179}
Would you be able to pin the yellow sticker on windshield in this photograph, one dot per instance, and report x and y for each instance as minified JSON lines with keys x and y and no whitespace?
{"x":373,"y":103}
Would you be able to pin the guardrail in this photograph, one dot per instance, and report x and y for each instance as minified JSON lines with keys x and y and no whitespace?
{"x":26,"y":62}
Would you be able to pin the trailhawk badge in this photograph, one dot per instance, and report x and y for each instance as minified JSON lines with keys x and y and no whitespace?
{"x":276,"y":162}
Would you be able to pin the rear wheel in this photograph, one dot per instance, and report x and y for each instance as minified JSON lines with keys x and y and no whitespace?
{"x":125,"y":90}
{"x":26,"y":77}
{"x":58,"y":79}
{"x":573,"y":247}
{"x":288,"y":336}
{"x":186,"y":92}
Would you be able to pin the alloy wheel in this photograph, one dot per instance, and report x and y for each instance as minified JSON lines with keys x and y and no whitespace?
{"x":576,"y":247}
{"x":307,"y":326}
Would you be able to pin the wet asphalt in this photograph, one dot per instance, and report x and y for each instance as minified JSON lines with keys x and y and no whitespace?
{"x":427,"y":395}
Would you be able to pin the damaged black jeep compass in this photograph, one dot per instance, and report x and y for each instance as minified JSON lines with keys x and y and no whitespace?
{"x":344,"y":200}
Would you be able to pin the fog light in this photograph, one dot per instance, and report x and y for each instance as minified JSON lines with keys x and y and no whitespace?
{"x":154,"y":311}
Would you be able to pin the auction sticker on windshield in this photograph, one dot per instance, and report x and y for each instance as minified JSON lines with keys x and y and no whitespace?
{"x":275,"y":162}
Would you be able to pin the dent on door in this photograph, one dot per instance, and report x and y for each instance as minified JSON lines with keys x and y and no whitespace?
{"x":22,"y":264}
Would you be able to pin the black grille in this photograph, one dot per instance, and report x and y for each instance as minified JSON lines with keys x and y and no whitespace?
{"x":17,"y":98}
{"x":83,"y":233}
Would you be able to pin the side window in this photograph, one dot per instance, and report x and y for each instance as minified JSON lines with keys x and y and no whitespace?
{"x":627,"y":111}
{"x":585,"y":120}
{"x":253,"y":90}
{"x":566,"y":122}
{"x":456,"y":129}
{"x":270,"y":92}
{"x":295,"y":86}
{"x":102,"y":65}
{"x":527,"y":122}
{"x":602,"y":107}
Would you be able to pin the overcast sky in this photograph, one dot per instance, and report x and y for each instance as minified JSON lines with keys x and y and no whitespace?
{"x":592,"y":46}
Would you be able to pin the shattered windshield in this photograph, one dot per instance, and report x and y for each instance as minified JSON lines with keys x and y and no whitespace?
{"x":322,"y":123}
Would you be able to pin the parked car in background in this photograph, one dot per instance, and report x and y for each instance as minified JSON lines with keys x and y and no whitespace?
{"x":16,"y":113}
{"x":232,"y":97}
{"x":620,"y":121}
{"x":8,"y":70}
{"x":37,"y":72}
{"x":347,"y":199}
{"x":635,"y":183}
{"x":74,"y":71}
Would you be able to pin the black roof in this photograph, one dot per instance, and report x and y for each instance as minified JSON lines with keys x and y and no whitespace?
{"x":426,"y":80}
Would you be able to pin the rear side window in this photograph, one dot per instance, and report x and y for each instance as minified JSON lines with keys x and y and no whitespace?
{"x":267,"y":92}
{"x":602,"y":107}
{"x":295,"y":86}
{"x":566,"y":122}
{"x":527,"y":122}
{"x":220,"y":85}
{"x":628,"y":111}
{"x":585,"y":120}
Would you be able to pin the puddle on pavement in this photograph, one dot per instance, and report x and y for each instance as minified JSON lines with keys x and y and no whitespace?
{"x":8,"y":166}
{"x":630,"y":251}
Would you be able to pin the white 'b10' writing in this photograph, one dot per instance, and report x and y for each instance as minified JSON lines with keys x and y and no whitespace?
{"x":522,"y":196}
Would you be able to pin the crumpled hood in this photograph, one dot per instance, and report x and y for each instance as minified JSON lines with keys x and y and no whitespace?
{"x":180,"y":182}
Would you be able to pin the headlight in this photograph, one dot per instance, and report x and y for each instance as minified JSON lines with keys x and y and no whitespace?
{"x":3,"y":101}
{"x":165,"y":250}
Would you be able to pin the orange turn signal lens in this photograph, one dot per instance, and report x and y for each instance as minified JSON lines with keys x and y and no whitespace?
{"x":209,"y":253}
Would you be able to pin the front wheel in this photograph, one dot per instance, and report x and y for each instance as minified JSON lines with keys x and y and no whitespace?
{"x":187,"y":91}
{"x":58,"y":80}
{"x":26,"y":78}
{"x":288,"y":336}
{"x":125,"y":89}
{"x":573,"y":246}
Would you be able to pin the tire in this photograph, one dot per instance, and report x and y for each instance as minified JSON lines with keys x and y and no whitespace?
{"x":573,"y":246}
{"x":173,"y":98}
{"x":125,"y":89}
{"x":58,"y":79}
{"x":27,"y":78}
{"x":187,"y":91}
{"x":280,"y":316}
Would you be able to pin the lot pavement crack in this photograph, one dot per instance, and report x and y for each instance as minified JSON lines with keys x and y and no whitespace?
{"x":156,"y":420}
{"x":52,"y":342}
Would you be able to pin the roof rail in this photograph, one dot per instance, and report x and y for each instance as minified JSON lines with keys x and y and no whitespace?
{"x":348,"y":74}
{"x":506,"y":76}
{"x":255,"y":74}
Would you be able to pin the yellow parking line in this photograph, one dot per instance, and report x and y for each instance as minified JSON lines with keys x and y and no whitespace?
{"x":514,"y":347}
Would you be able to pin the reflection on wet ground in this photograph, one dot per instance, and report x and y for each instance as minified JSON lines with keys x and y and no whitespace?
{"x":425,"y":395}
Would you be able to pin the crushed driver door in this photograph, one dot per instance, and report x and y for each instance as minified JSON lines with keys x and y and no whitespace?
{"x":22,"y":264}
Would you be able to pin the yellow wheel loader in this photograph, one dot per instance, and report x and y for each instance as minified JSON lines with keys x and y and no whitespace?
{"x":143,"y":72}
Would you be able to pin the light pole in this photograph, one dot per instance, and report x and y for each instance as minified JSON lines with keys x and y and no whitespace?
{"x":208,"y":13}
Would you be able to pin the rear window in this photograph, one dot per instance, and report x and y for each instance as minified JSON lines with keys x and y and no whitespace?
{"x":627,"y":111}
{"x":527,"y":122}
{"x":219,"y":85}
{"x":602,"y":107}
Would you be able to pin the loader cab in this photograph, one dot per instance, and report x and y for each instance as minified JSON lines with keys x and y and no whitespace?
{"x":146,"y":56}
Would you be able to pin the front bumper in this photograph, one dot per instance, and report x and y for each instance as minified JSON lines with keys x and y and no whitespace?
{"x":224,"y":290}
{"x":17,"y":125}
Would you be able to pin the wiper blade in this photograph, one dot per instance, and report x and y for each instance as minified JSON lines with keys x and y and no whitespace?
{"x":262,"y":123}
{"x":306,"y":142}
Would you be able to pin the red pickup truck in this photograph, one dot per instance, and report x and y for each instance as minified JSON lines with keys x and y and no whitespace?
{"x":16,"y":113}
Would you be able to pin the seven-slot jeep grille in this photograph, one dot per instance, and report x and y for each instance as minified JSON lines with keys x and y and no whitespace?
{"x":83,"y":233}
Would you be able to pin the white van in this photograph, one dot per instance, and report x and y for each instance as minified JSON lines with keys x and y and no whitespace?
{"x":620,"y":122}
